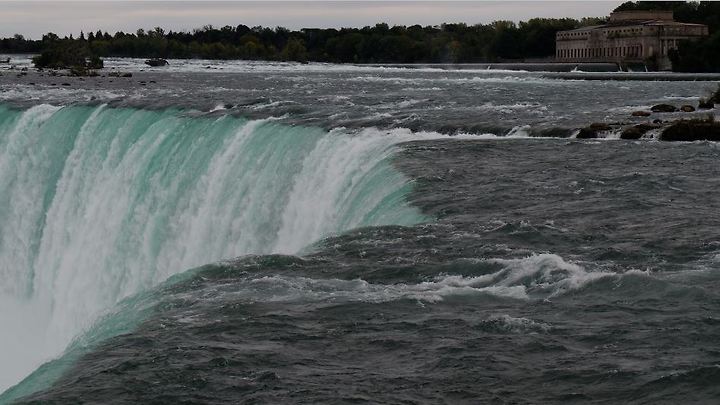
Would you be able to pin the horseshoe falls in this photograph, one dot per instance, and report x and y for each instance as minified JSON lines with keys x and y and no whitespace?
{"x":99,"y":203}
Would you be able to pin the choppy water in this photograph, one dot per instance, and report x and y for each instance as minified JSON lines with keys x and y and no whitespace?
{"x":349,"y":249}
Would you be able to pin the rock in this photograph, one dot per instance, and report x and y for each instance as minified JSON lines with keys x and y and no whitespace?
{"x":658,"y":121}
{"x":705,"y":104}
{"x":586,"y":133}
{"x":663,"y":108}
{"x":119,"y":74}
{"x":715,"y":97}
{"x":156,"y":62}
{"x":82,"y":71}
{"x":637,"y":131}
{"x":687,"y":108}
{"x":591,"y":131}
{"x":631,"y":133}
{"x":600,"y":126}
{"x":692,"y":130}
{"x":640,"y":114}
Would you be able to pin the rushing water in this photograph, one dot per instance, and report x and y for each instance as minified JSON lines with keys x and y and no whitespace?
{"x":311,"y":233}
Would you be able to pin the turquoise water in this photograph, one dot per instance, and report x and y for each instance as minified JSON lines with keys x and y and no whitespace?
{"x":98,"y":204}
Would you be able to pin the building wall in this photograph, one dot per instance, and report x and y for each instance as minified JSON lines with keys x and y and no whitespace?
{"x":625,"y":43}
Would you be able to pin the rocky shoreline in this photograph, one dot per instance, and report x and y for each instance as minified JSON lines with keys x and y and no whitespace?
{"x":663,"y":128}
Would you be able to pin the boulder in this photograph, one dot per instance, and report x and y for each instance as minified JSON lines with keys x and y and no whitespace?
{"x":663,"y":108}
{"x":600,"y":126}
{"x":631,"y":133}
{"x":586,"y":133}
{"x":640,"y":114}
{"x":706,"y":104}
{"x":692,"y":130}
{"x":591,"y":131}
{"x":687,"y":108}
{"x":637,"y":131}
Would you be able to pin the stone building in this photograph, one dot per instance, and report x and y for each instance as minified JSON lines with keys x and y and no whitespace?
{"x":629,"y":37}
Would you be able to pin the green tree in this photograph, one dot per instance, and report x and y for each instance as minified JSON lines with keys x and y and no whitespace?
{"x":294,"y":50}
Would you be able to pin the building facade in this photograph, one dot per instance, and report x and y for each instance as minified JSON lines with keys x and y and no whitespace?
{"x":629,"y":37}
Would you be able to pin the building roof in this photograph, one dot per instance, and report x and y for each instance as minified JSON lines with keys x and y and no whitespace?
{"x":634,"y":18}
{"x":646,"y":15}
{"x":634,"y":23}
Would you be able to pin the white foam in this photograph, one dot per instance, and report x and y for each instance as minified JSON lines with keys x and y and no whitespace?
{"x":535,"y":277}
{"x":522,"y":325}
{"x":302,"y":289}
{"x":544,"y":274}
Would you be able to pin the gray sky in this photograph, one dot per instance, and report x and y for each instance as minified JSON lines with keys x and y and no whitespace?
{"x":34,"y":18}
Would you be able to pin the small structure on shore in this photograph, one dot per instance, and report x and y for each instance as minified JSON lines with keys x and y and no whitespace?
{"x":630,"y":37}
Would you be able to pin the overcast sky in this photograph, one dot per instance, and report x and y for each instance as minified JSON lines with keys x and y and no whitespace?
{"x":34,"y":18}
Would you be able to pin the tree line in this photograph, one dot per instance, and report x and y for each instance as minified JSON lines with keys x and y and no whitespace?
{"x":446,"y":43}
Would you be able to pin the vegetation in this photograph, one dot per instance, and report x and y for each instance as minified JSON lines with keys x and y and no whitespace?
{"x":68,"y":54}
{"x":447,"y":43}
{"x":697,"y":56}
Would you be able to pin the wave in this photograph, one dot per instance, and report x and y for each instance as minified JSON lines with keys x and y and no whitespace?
{"x":539,"y":276}
{"x":98,"y":203}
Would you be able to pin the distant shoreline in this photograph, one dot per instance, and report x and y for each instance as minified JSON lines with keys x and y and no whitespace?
{"x":549,"y":70}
